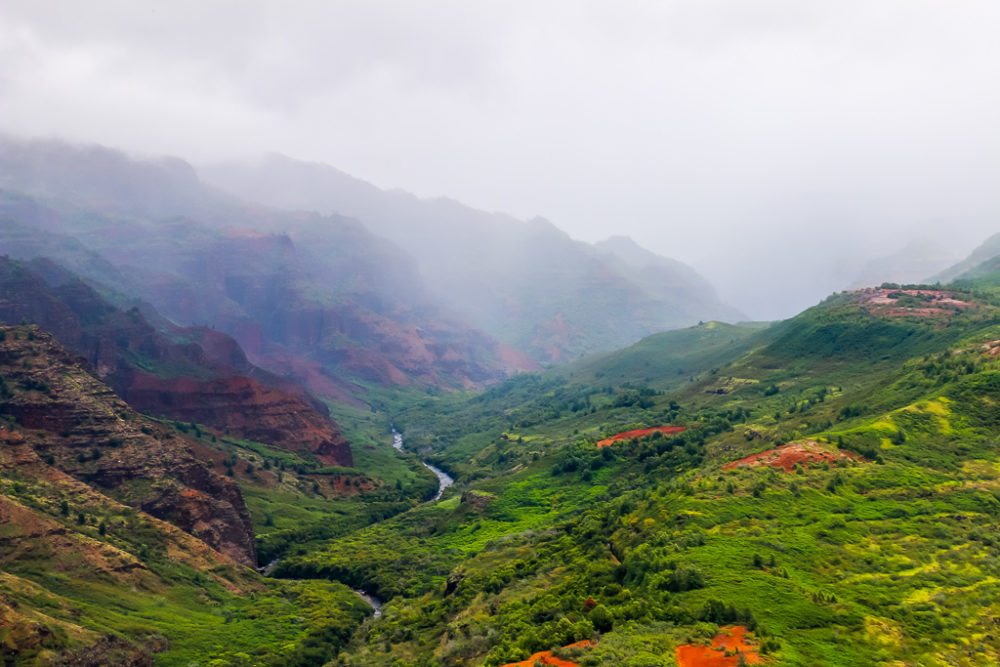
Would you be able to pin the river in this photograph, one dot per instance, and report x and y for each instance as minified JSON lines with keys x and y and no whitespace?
{"x":373,"y":601}
{"x":444,"y":479}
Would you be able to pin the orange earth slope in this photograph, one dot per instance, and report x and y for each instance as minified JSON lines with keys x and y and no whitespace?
{"x":731,"y":640}
{"x":640,"y":433}
{"x":788,"y":456}
{"x":547,"y":658}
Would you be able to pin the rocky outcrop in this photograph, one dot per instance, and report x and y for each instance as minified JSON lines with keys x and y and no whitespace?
{"x":112,"y":650}
{"x":476,"y":501}
{"x":87,"y":431}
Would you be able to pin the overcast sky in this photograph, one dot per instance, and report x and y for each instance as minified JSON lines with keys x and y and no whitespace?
{"x":774,"y":145}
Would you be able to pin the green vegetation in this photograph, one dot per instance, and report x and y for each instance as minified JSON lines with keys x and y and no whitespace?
{"x":652,"y":542}
{"x":294,"y":502}
{"x":116,"y":573}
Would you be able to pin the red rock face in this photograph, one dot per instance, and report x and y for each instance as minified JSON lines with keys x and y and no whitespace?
{"x":245,"y":407}
{"x":359,"y":343}
{"x":207,"y":373}
{"x":311,"y":375}
{"x":553,"y":338}
{"x":88,"y":432}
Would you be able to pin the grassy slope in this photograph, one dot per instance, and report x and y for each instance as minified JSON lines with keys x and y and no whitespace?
{"x":294,"y":502}
{"x":121,"y":574}
{"x":529,"y":415}
{"x":872,"y":562}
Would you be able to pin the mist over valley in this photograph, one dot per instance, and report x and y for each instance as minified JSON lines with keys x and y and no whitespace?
{"x":450,"y":334}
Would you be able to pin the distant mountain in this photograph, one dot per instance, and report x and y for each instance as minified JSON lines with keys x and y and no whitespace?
{"x":318,"y":296}
{"x":107,"y":180}
{"x":678,"y":287}
{"x":973,"y":265}
{"x":527,"y":283}
{"x":319,"y":299}
{"x":910,"y":264}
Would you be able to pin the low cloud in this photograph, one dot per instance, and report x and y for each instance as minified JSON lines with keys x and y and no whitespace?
{"x":772,"y":144}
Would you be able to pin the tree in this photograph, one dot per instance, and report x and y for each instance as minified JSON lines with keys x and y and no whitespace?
{"x":602,"y":618}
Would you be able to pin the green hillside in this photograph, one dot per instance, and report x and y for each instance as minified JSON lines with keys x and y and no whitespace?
{"x":984,"y":275}
{"x":882,"y":551}
{"x":666,"y":360}
{"x":835,"y":490}
{"x":986,"y":251}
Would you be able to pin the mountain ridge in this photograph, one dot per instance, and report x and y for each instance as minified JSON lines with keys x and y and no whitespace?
{"x":983,"y":253}
{"x":292,"y":291}
{"x":465,"y":254}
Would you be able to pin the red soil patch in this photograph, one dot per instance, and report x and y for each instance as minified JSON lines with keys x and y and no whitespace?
{"x":731,"y":639}
{"x":934,"y":303}
{"x":787,"y":456}
{"x":992,"y":348}
{"x":640,"y":433}
{"x":547,"y":658}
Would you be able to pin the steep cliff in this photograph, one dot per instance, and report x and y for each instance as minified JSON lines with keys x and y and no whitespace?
{"x":244,"y":406}
{"x":78,"y":426}
{"x":192,"y":374}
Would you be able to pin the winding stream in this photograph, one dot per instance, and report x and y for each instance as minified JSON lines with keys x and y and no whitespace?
{"x":375,"y":603}
{"x":444,"y":479}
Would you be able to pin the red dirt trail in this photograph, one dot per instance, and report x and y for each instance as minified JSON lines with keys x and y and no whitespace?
{"x":787,"y":456}
{"x":639,"y":433}
{"x":730,"y":639}
{"x":547,"y":658}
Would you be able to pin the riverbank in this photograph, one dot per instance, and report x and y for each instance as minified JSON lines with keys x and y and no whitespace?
{"x":444,"y":479}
